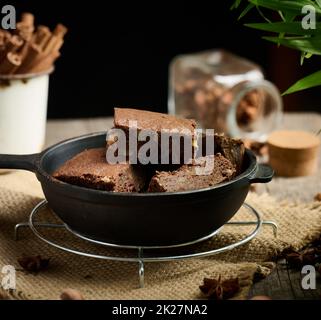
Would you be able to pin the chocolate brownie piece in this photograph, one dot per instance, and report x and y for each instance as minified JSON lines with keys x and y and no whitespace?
{"x":232,"y":149}
{"x":148,"y":120}
{"x":157,"y":124}
{"x":90,"y":169}
{"x":186,"y":177}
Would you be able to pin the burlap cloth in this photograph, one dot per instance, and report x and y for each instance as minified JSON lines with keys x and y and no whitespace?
{"x":97,"y":279}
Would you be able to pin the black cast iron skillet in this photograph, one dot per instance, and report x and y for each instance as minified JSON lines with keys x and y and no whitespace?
{"x":146,"y":219}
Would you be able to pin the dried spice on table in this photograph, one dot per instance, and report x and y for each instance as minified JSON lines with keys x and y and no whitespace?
{"x":218,"y":289}
{"x":34,"y":264}
{"x":299,"y":259}
{"x":310,"y":255}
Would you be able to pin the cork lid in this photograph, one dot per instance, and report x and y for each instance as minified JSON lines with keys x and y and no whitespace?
{"x":289,"y":139}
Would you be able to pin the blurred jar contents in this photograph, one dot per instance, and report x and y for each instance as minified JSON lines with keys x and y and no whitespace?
{"x":224,"y":92}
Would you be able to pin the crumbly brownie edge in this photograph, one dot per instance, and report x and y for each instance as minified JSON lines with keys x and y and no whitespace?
{"x":88,"y":181}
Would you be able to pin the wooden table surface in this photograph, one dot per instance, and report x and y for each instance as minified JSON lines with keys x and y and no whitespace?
{"x":282,"y":283}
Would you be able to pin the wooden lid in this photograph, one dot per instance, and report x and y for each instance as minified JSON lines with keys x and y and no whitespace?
{"x":288,"y":139}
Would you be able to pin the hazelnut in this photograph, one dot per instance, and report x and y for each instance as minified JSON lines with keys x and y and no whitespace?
{"x":71,"y":294}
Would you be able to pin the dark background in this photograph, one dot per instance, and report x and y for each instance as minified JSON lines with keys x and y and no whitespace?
{"x":117,"y":53}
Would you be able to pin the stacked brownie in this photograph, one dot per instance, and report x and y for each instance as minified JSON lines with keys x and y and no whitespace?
{"x":90,"y":168}
{"x":155,"y":124}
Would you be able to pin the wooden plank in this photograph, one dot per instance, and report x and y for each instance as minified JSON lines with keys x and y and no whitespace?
{"x":285,"y":284}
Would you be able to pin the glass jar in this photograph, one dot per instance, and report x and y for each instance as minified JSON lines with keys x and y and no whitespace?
{"x":226,"y":93}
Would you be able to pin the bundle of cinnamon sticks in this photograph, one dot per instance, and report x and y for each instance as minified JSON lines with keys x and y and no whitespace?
{"x":29,"y":50}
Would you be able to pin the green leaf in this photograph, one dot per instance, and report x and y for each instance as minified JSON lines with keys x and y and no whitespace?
{"x":289,"y":16}
{"x":309,"y":45}
{"x":281,"y":15}
{"x":303,"y":54}
{"x":289,"y":32}
{"x":285,"y":27}
{"x":246,"y":10}
{"x":286,"y":17}
{"x":286,"y":6}
{"x":262,"y":14}
{"x":236,"y":4}
{"x":313,"y":80}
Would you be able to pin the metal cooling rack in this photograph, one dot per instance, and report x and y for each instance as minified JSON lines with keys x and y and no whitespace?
{"x":139,"y":251}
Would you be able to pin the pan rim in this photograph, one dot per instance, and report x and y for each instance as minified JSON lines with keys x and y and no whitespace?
{"x":251,"y":170}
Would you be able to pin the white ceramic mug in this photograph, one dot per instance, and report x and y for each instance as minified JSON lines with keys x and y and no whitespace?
{"x":23,"y":112}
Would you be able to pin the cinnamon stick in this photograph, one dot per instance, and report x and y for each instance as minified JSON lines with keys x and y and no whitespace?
{"x":42,"y":36}
{"x":24,"y":31}
{"x":25,"y":27}
{"x":55,"y":40}
{"x":60,"y":30}
{"x":26,"y":50}
{"x":5,"y":34}
{"x":33,"y":54}
{"x":10,"y":45}
{"x":50,"y":45}
{"x":2,"y":43}
{"x":28,"y":19}
{"x":2,"y":37}
{"x":10,"y":64}
{"x":44,"y":64}
{"x":58,"y":45}
{"x":14,"y":43}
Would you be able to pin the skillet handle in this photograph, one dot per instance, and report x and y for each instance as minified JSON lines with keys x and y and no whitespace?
{"x":15,"y":161}
{"x":263,"y":174}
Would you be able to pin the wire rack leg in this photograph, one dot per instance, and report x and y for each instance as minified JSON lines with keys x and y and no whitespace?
{"x":17,"y":227}
{"x":141,"y":268}
{"x":249,"y":223}
{"x":141,"y":274}
{"x":273,"y":225}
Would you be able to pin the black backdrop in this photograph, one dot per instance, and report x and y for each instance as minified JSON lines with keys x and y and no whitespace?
{"x":117,"y":53}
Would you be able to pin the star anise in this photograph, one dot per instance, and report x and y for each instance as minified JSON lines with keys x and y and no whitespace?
{"x":317,"y":243}
{"x":217,"y":289}
{"x":297,"y":259}
{"x":33,"y":263}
